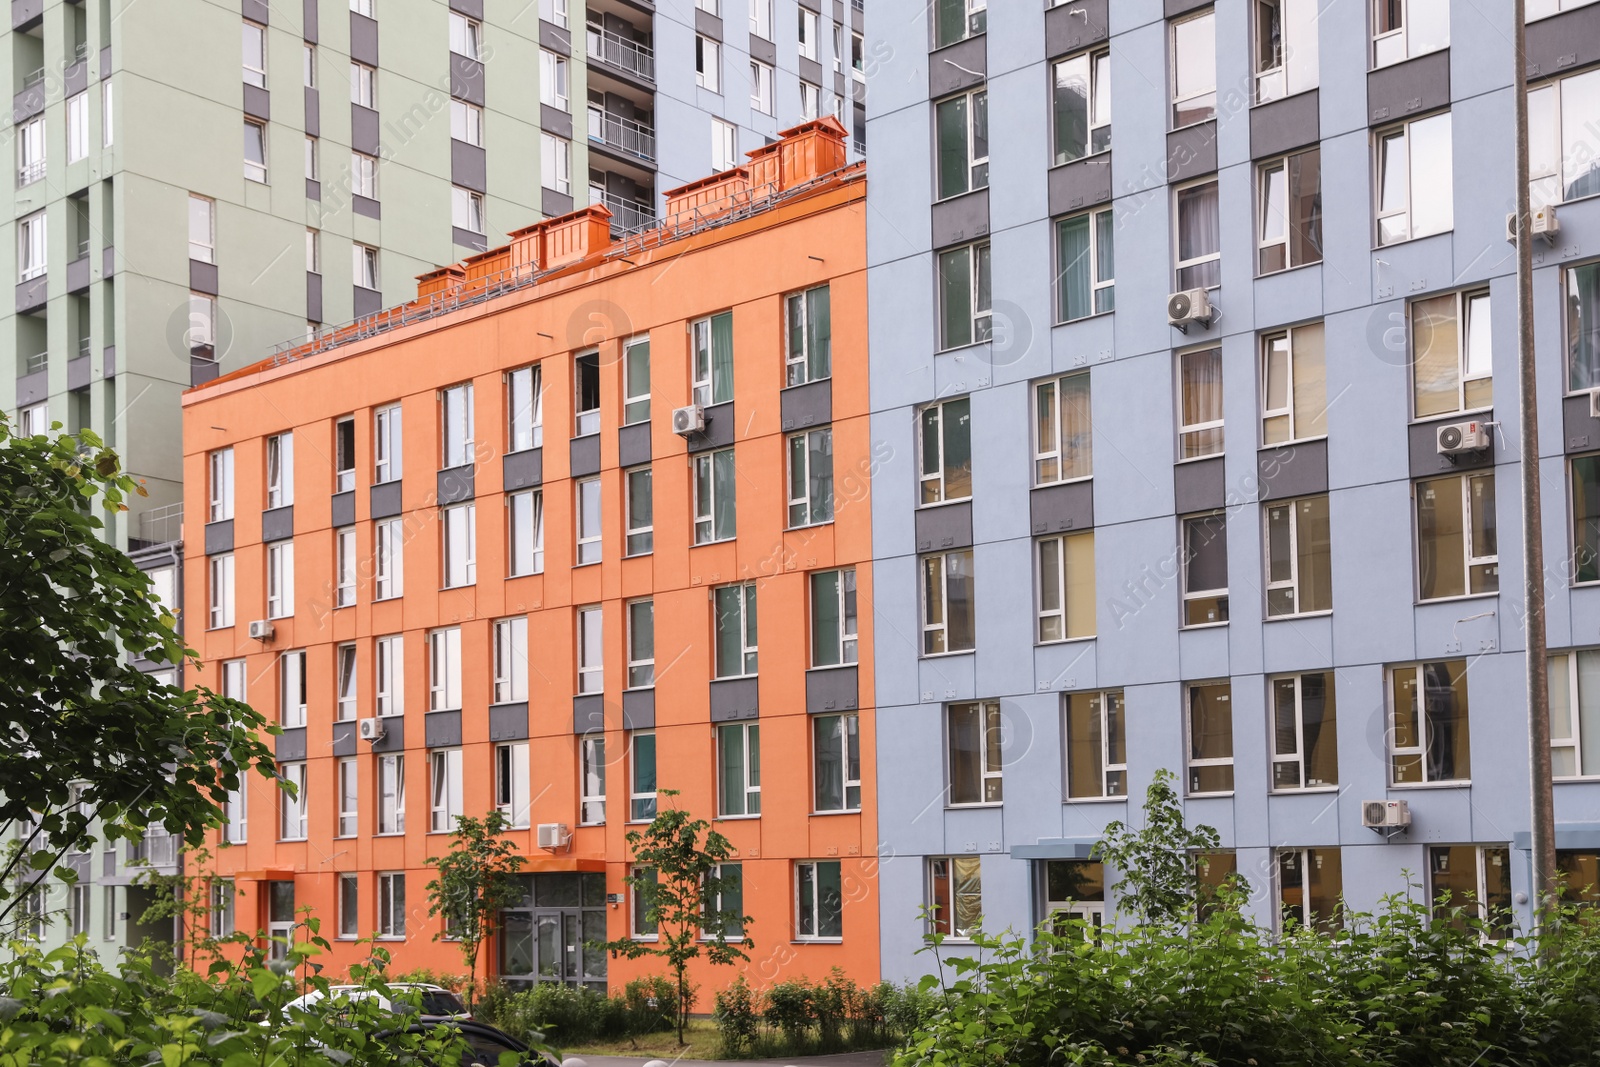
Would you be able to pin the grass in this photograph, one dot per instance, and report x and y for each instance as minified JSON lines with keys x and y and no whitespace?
{"x":701,"y":1035}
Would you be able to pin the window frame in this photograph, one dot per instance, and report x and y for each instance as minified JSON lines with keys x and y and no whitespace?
{"x":708,"y":497}
{"x":525,"y":551}
{"x":812,"y":359}
{"x":849,"y":734}
{"x":1464,"y":311}
{"x":388,"y":674}
{"x":255,"y":135}
{"x":347,"y":781}
{"x":1051,"y":411}
{"x":388,"y":570}
{"x":990,"y":758}
{"x":1263,"y":172}
{"x":1195,"y":101}
{"x":749,"y":784}
{"x":1108,"y":741}
{"x":1194,"y":439}
{"x":974,"y":19}
{"x":344,"y":454}
{"x":1401,"y":33}
{"x":1304,"y":857}
{"x":846,"y":605}
{"x":934,"y":488}
{"x":639,"y":536}
{"x":458,"y":537}
{"x":220,"y":590}
{"x":1380,"y":137}
{"x":1102,"y":224}
{"x":1293,"y":583}
{"x":635,"y":403}
{"x":280,"y":470}
{"x":590,"y":648}
{"x":975,"y":129}
{"x":525,"y":408}
{"x":591,"y":777}
{"x":1288,"y":413}
{"x":1063,"y":588}
{"x":387,"y":444}
{"x":708,"y":63}
{"x":641,"y":661}
{"x":346,"y":682}
{"x":934,"y":646}
{"x":444,"y":669}
{"x":391,"y":814}
{"x":391,"y":906}
{"x":1425,"y":738}
{"x":809,"y":491}
{"x":292,"y":810}
{"x":1097,"y":110}
{"x":1469,"y":560}
{"x":292,"y":697}
{"x":815,"y":913}
{"x":979,"y":320}
{"x":509,"y":681}
{"x":1288,"y":34}
{"x":744,"y":596}
{"x":445,"y":778}
{"x":513,"y":792}
{"x":642,"y":794}
{"x":588,"y":527}
{"x":943,"y":868}
{"x":1300,"y":757}
{"x":1192,"y":738}
{"x":1195,"y":263}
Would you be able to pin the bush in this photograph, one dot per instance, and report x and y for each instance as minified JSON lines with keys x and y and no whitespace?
{"x":737,"y":1018}
{"x":789,"y":1010}
{"x":571,"y":1015}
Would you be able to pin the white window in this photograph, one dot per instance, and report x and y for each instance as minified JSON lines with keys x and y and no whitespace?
{"x":364,"y":182}
{"x":349,"y":815}
{"x":255,"y":55}
{"x":392,"y":906}
{"x":1194,"y":69}
{"x":386,"y":444}
{"x":280,"y":580}
{"x":948,"y":603}
{"x":458,"y":428}
{"x":309,"y":65}
{"x":313,"y":251}
{"x":466,"y":122}
{"x":1310,"y":887}
{"x":708,"y":66}
{"x":1065,"y":587}
{"x":734,"y":610}
{"x":1081,"y":102}
{"x":33,"y":420}
{"x":715,"y":495}
{"x":638,"y":485}
{"x":838,"y":48}
{"x":292,"y":808}
{"x":835,"y":763}
{"x":713,"y":359}
{"x":808,"y":329}
{"x":1290,"y":191}
{"x":592,"y":779}
{"x":236,"y":812}
{"x":1197,"y":242}
{"x":641,"y":644}
{"x":1285,"y":47}
{"x":1205,"y":568}
{"x":280,"y":470}
{"x":956,"y":20}
{"x":1200,"y":424}
{"x":1063,"y":430}
{"x":221,"y":592}
{"x":636,"y":381}
{"x":344,"y":590}
{"x":833,"y":617}
{"x":807,"y":33}
{"x":945,"y":452}
{"x":641,"y":924}
{"x":202,"y":322}
{"x":1477,"y":880}
{"x":1575,"y":714}
{"x":1097,"y":746}
{"x":233,"y":679}
{"x":525,"y":401}
{"x":31,"y":246}
{"x":1562,"y":117}
{"x":555,"y":163}
{"x":724,"y":145}
{"x":1415,"y":174}
{"x":511,"y":660}
{"x":362,"y":7}
{"x":961,"y":129}
{"x":1452,"y":357}
{"x":461,"y":544}
{"x":1429,"y":740}
{"x":810,"y":100}
{"x":313,"y":166}
{"x":107,"y":113}
{"x":739,"y":770}
{"x":223,"y":896}
{"x":345,"y":678}
{"x":955,"y":896}
{"x":363,"y":85}
{"x":587,"y":492}
{"x":710,"y":7}
{"x":1458,"y":552}
{"x":1538,"y":9}
{"x":292,"y":689}
{"x":760,"y":85}
{"x":221,"y":485}
{"x":444,"y":670}
{"x":466,"y":209}
{"x":444,"y":790}
{"x":525,"y":516}
{"x":591,"y":650}
{"x":1305,"y":751}
{"x":641,"y":776}
{"x":1293,"y":385}
{"x":388,"y":537}
{"x":1299,"y":567}
{"x":30,"y":151}
{"x":966,"y":313}
{"x":554,"y":86}
{"x":202,"y":229}
{"x":391,"y":794}
{"x":811,"y":478}
{"x":554,"y":12}
{"x":349,"y":904}
{"x":1209,"y":722}
{"x":77,"y":127}
{"x":389,"y":675}
{"x":1402,"y":29}
{"x":466,"y":36}
{"x":761,"y":19}
{"x":973,"y":736}
{"x":364,"y":266}
{"x":819,"y":899}
{"x":255,"y":151}
{"x":1085,"y":265}
{"x":511,"y":793}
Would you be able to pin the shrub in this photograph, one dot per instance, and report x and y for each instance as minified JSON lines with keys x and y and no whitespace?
{"x":738,"y":1022}
{"x":790,"y":1010}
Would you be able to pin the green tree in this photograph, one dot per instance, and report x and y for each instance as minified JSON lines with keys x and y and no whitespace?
{"x":477,"y":881}
{"x":687,"y":898}
{"x":1157,"y":862}
{"x":93,"y":746}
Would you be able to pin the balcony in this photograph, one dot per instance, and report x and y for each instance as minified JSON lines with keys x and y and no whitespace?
{"x":158,"y":849}
{"x":628,"y":215}
{"x":626,"y":136}
{"x":36,"y":362}
{"x":615,"y":50}
{"x":162,"y":525}
{"x":28,"y":173}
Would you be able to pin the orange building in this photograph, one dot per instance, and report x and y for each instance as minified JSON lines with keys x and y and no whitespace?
{"x":587,"y":520}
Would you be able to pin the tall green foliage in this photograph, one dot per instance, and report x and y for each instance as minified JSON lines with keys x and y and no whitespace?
{"x":1157,"y":861}
{"x":477,"y":880}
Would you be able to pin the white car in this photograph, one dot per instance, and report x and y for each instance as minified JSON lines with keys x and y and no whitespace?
{"x":434,"y":1000}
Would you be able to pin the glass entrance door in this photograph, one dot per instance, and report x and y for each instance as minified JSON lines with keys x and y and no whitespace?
{"x":556,"y":935}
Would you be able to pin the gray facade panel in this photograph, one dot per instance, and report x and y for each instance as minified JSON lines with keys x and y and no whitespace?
{"x":524,"y":469}
{"x":363,"y":39}
{"x":313,"y":121}
{"x":585,"y":455}
{"x":468,"y":166}
{"x":639,"y":709}
{"x":290,"y":746}
{"x":633,"y":445}
{"x":31,"y":293}
{"x":478,"y":242}
{"x":254,"y":10}
{"x":707,"y":25}
{"x":473,"y":9}
{"x":466,"y":79}
{"x":313,"y":297}
{"x":344,"y":738}
{"x":961,"y":218}
{"x":832,"y":689}
{"x":555,"y":38}
{"x":553,"y":204}
{"x":1174,"y":8}
{"x":365,"y":205}
{"x":1071,"y":27}
{"x":277,"y":524}
{"x":456,"y":484}
{"x":803,"y":406}
{"x":719,"y":431}
{"x":32,"y":388}
{"x":108,"y":261}
{"x":80,"y":372}
{"x":257,"y":103}
{"x":308,"y":20}
{"x":944,"y":526}
{"x":810,"y":70}
{"x":27,"y":103}
{"x":1408,"y":88}
{"x":78,"y":275}
{"x":1300,"y":469}
{"x":384,"y":500}
{"x":313,"y":189}
{"x":219,"y":537}
{"x":733,"y":699}
{"x":1580,"y":430}
{"x":203,"y":277}
{"x":24,"y":13}
{"x":1424,"y":448}
{"x":764,"y":50}
{"x":1563,"y":42}
{"x":508,"y":722}
{"x":1080,"y":184}
{"x":75,"y":77}
{"x":364,"y":129}
{"x":1059,"y":508}
{"x":1199,"y":485}
{"x":441,"y":729}
{"x":365,"y":301}
{"x":1278,"y":127}
{"x":394,"y":734}
{"x":1192,"y":151}
{"x":588,"y":714}
{"x":109,"y":358}
{"x":555,"y":121}
{"x":960,"y":66}
{"x":343,"y":508}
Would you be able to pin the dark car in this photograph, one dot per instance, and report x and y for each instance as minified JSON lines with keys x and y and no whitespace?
{"x":486,"y":1042}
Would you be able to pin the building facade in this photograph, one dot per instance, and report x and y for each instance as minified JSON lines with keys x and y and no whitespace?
{"x":302,"y":163}
{"x":470,"y":559}
{"x":1241,"y":547}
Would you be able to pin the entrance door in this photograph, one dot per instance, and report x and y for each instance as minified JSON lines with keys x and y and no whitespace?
{"x":280,"y":919}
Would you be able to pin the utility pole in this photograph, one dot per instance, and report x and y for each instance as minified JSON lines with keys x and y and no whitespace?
{"x":1538,"y":682}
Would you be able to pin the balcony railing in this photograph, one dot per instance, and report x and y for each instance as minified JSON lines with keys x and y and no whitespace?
{"x":158,"y":849}
{"x":615,"y":50}
{"x":32,"y":78}
{"x":36,"y":362}
{"x":29,"y":173}
{"x":85,"y":346}
{"x":628,"y":215}
{"x":625,"y":135}
{"x":161,"y":525}
{"x":83,"y":248}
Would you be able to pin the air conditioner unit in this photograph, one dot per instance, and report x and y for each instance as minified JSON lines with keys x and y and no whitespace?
{"x":554,"y":835}
{"x":1460,"y":438}
{"x":370,"y":728}
{"x":1544,"y":225}
{"x":261,"y":630}
{"x":1385,"y":814}
{"x":1191,"y":305}
{"x":686,"y":421}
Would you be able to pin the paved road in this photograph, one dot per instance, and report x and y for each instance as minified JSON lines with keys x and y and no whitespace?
{"x":848,"y":1059}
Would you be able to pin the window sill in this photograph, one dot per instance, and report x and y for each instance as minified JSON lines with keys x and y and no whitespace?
{"x":808,"y":526}
{"x":386,"y":599}
{"x":1462,"y":783}
{"x":734,"y":677}
{"x":1198,"y":459}
{"x":591,"y":563}
{"x":589,"y":825}
{"x":1289,"y":270}
{"x":817,"y":941}
{"x":838,"y":811}
{"x":1578,"y":779}
{"x":1192,"y":125}
{"x":1445,"y":416}
{"x":1095,"y":800}
{"x":1454,"y":599}
{"x":289,"y":841}
{"x":630,"y":689}
{"x":638,"y":555}
{"x":391,"y":833}
{"x":989,"y":805}
{"x":1407,"y":59}
{"x":1204,"y":626}
{"x":1305,"y":615}
{"x":1064,"y":481}
{"x":738,"y":818}
{"x":1409,"y":240}
{"x":347,"y":937}
{"x":1290,"y":444}
{"x":1322,"y":789}
{"x":1286,"y":96}
{"x":1065,"y":641}
{"x":1080,"y":318}
{"x":834,"y":666}
{"x":390,"y":937}
{"x":525,"y":574}
{"x":947,"y":655}
{"x":1209,"y":796}
{"x":718,"y":541}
